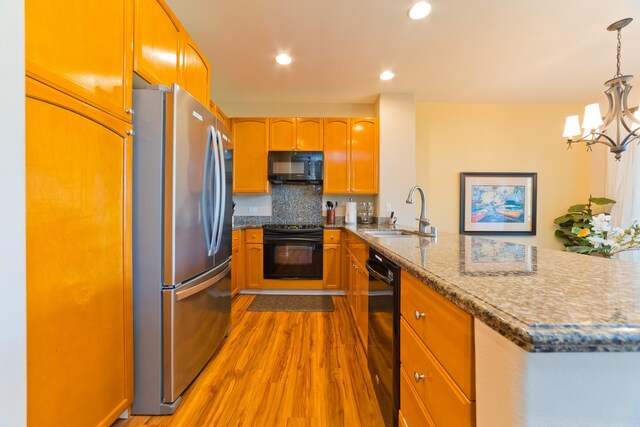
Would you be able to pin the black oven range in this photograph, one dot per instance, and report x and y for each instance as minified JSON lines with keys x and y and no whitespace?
{"x":292,"y":251}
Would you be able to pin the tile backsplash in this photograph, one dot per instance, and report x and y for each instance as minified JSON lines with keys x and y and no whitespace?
{"x":296,"y":204}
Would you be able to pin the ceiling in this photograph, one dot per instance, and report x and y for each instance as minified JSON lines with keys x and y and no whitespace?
{"x":465,"y":51}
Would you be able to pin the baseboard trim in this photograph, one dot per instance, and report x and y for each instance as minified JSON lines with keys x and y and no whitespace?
{"x":291,"y":292}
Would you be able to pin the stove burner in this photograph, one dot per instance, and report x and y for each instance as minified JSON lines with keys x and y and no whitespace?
{"x":292,"y":227}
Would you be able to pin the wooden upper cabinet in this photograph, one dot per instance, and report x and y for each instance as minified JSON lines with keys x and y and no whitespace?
{"x":309,"y":134}
{"x":195,"y":76}
{"x":223,"y":117}
{"x":295,"y":134}
{"x":79,"y":295}
{"x":84,"y":49}
{"x":251,"y":147}
{"x":363,"y":165}
{"x":337,"y":135}
{"x":156,"y":42}
{"x":282,"y":134}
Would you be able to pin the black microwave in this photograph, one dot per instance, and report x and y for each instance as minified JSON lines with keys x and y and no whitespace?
{"x":295,"y":167}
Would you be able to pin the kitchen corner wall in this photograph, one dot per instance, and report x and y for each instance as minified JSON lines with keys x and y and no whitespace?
{"x":397,"y":114}
{"x":13,"y":356}
{"x":454,"y":138}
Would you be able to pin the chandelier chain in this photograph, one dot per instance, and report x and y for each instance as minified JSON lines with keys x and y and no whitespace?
{"x":618,"y":74}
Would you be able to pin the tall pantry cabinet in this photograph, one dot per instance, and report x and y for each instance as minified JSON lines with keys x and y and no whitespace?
{"x":78,"y":225}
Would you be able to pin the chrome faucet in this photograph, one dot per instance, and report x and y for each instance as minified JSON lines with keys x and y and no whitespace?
{"x":423,"y":222}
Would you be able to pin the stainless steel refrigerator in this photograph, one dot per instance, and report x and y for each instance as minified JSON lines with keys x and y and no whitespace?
{"x":182,"y":209}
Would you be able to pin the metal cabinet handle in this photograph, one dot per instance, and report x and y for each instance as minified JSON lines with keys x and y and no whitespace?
{"x":129,"y":111}
{"x":253,"y":237}
{"x":419,"y":315}
{"x":418,"y":377}
{"x":131,"y":132}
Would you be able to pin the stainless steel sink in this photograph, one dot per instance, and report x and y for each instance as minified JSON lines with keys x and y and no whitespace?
{"x":390,"y":233}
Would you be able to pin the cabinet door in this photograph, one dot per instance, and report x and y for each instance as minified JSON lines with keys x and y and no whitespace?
{"x":282,"y":134}
{"x":156,"y":42}
{"x":78,"y":237}
{"x":83,"y":48}
{"x":364,"y":156}
{"x":331,"y":267}
{"x":251,"y":145}
{"x":309,"y":134}
{"x":337,"y":135}
{"x":235,"y":269}
{"x":254,"y":266}
{"x":223,"y":117}
{"x":362,"y":289}
{"x":195,"y":77}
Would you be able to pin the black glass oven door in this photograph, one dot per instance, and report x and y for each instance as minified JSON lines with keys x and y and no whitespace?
{"x":293,"y":258}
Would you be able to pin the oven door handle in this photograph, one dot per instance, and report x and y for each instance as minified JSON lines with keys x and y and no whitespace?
{"x":377,"y":275}
{"x":290,"y":239}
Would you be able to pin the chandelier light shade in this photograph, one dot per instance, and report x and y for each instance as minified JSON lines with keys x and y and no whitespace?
{"x":620,"y":118}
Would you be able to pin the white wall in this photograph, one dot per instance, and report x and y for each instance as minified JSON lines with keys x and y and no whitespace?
{"x":13,"y":379}
{"x":397,"y":113}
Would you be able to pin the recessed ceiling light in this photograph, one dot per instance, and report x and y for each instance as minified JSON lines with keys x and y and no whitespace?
{"x":419,"y":10}
{"x":387,"y":75}
{"x":283,"y":59}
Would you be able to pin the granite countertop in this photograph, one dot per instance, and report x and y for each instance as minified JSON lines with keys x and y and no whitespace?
{"x":541,"y":299}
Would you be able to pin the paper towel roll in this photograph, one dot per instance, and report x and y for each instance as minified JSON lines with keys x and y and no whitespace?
{"x":350,"y":213}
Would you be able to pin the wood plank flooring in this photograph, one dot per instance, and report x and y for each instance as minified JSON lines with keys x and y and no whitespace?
{"x":280,"y":369}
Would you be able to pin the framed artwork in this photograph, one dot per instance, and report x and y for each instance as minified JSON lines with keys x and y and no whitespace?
{"x":501,"y":203}
{"x":486,"y":257}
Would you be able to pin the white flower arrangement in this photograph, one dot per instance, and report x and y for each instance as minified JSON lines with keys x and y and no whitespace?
{"x":607,"y":240}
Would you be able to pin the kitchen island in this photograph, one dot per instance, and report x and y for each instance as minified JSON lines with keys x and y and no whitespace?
{"x":557,"y":335}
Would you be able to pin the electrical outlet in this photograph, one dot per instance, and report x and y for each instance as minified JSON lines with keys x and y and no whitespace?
{"x":389,"y":209}
{"x":253,"y":209}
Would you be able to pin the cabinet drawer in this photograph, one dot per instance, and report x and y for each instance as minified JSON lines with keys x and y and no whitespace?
{"x":253,"y":235}
{"x":235,"y":238}
{"x":331,"y":236}
{"x":446,"y":330}
{"x":442,"y":398}
{"x":412,"y":413}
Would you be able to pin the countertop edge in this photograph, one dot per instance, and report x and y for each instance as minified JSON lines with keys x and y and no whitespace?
{"x":534,"y":339}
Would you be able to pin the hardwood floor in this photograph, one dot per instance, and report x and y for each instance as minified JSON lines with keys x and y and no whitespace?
{"x":280,"y":369}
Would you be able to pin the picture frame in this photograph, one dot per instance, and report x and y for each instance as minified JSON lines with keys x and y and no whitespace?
{"x":488,"y":257}
{"x":498,"y":203}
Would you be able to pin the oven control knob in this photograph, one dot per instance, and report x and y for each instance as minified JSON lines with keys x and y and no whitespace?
{"x":419,"y":315}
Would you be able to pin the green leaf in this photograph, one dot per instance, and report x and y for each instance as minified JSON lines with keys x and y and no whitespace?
{"x":563,"y":218}
{"x":577,"y":208}
{"x":580,"y":249}
{"x":601,"y":201}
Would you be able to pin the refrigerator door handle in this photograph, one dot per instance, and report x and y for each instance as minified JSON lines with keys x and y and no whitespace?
{"x":206,"y":215}
{"x":223,"y":190}
{"x":213,"y":183}
{"x":216,"y":209}
{"x":180,"y":295}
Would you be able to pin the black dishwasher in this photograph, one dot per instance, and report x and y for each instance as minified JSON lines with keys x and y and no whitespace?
{"x":383,"y":352}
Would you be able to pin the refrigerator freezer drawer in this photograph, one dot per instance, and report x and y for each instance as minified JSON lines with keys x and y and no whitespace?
{"x":196,"y":319}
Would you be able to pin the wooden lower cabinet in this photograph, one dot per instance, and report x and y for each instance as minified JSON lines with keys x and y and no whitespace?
{"x":78,"y":244}
{"x":331,"y":266}
{"x":237,"y":261}
{"x":412,"y":413}
{"x":254,"y":278}
{"x":437,"y":358}
{"x":331,"y":259}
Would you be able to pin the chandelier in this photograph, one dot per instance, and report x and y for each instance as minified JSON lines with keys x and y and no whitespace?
{"x":627,"y":124}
